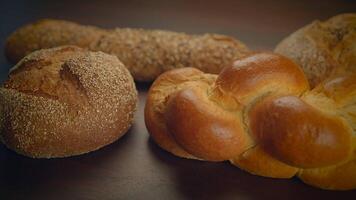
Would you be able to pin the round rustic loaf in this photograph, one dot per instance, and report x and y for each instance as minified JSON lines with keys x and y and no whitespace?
{"x":65,"y":101}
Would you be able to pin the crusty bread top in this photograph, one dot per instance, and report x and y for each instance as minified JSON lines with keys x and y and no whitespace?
{"x":66,"y":101}
{"x":45,"y":34}
{"x":323,"y":48}
{"x":146,"y":53}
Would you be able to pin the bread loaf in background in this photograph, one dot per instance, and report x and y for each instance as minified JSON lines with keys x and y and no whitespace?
{"x":65,"y":101}
{"x":146,"y":53}
{"x":323,"y":48}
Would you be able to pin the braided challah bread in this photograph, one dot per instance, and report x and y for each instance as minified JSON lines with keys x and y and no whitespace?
{"x":261,"y":115}
{"x":65,"y":101}
{"x":323,"y":48}
{"x":146,"y":53}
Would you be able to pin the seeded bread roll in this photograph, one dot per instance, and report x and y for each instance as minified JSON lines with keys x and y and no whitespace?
{"x":323,"y":49}
{"x":65,"y":101}
{"x":146,"y":53}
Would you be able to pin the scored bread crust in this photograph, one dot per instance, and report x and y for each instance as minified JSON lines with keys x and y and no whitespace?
{"x":65,"y":101}
{"x":323,"y":48}
{"x":146,"y":53}
{"x":261,"y":115}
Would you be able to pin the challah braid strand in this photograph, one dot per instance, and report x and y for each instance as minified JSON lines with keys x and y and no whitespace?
{"x":330,"y":123}
{"x":338,"y":94}
{"x":218,"y":129}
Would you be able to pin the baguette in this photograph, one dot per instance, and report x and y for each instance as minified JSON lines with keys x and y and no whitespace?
{"x":146,"y":53}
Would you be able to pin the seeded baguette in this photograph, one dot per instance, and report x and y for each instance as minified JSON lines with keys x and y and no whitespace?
{"x":146,"y":53}
{"x":65,"y":101}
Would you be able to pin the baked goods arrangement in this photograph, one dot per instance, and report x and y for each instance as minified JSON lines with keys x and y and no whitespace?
{"x":146,"y":53}
{"x":280,"y":115}
{"x":261,"y":115}
{"x":65,"y":101}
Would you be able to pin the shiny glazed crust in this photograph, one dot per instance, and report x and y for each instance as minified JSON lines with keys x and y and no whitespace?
{"x":261,"y":115}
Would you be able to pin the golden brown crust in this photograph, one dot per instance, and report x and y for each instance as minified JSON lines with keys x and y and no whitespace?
{"x":300,"y":135}
{"x":66,"y":101}
{"x":323,"y":48}
{"x":260,"y":114}
{"x":47,"y":33}
{"x":339,"y":177}
{"x":258,"y":74}
{"x":146,"y":53}
{"x":256,"y":161}
{"x":211,"y":133}
{"x":336,"y":93}
{"x":175,"y":93}
{"x":156,"y":102}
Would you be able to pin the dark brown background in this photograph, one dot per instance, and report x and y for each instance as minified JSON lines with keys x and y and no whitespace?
{"x":134,"y":167}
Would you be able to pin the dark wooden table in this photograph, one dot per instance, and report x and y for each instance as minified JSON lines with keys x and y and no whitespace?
{"x":134,"y":167}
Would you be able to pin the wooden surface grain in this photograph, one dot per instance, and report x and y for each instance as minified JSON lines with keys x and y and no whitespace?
{"x":134,"y":167}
